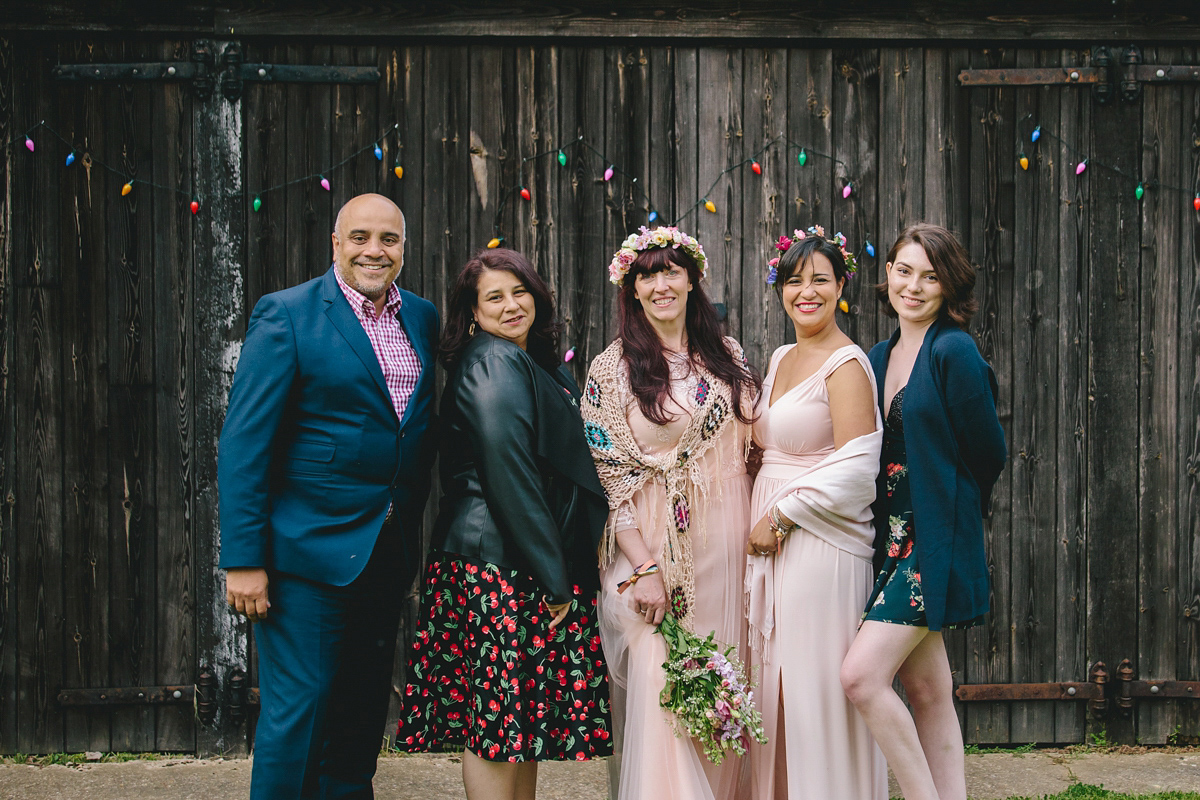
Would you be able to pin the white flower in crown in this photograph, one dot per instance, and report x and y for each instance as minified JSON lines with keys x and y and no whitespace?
{"x":647,"y":239}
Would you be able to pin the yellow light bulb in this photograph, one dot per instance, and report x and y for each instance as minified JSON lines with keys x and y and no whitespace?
{"x":399,"y":170}
{"x":127,"y":188}
{"x":494,"y":243}
{"x":710,"y":206}
{"x":844,"y":306}
{"x":1024,"y":162}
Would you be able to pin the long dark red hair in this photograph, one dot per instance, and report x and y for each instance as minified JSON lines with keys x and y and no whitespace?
{"x":649,"y":374}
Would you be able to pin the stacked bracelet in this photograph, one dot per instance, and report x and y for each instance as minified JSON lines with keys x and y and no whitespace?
{"x":649,"y":568}
{"x":778,"y":526}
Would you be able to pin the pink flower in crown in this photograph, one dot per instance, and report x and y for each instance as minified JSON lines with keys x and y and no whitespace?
{"x":774,"y":262}
{"x":799,"y":235}
{"x":820,"y":231}
{"x":626,"y":257}
{"x":782,"y":245}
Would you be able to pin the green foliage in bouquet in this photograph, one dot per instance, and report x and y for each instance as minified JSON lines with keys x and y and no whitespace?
{"x":708,"y":693}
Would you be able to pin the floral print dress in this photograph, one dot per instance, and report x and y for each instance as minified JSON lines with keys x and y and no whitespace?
{"x":897,"y":596}
{"x":485,"y":673}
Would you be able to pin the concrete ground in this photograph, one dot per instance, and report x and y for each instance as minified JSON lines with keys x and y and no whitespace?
{"x":424,"y":777}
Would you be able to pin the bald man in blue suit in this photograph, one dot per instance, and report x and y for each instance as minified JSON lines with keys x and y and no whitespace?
{"x":323,"y":473}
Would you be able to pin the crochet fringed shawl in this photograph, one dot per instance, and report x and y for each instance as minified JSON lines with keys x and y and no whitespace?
{"x":624,"y":469}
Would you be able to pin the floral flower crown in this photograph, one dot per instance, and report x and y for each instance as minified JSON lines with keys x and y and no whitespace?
{"x":798,"y":236}
{"x":649,"y":239}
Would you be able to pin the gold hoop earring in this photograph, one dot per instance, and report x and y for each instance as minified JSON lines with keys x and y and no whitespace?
{"x":471,"y":330}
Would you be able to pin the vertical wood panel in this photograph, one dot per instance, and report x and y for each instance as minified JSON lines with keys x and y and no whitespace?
{"x":1073,"y":123}
{"x":764,"y":202}
{"x":175,"y":653}
{"x":990,"y":244}
{"x":9,"y":613}
{"x":37,"y":373}
{"x":85,"y":424}
{"x":495,"y":160}
{"x":1187,"y":581}
{"x":856,"y":135}
{"x":902,"y":150}
{"x":1113,"y":369}
{"x":1032,"y":446}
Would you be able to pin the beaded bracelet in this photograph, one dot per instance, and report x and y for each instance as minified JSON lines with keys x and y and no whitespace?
{"x":649,"y":568}
{"x":777,"y":524}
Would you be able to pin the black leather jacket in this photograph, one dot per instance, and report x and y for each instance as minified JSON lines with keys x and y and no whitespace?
{"x":520,"y":488}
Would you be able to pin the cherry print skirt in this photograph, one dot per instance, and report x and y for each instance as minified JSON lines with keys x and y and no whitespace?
{"x":484,"y":672}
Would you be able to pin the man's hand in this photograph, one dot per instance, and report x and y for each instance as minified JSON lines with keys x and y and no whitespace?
{"x":246,"y":592}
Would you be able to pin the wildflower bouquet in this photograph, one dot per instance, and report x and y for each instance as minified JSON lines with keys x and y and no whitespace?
{"x":708,"y":693}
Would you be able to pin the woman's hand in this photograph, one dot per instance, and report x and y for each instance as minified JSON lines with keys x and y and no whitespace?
{"x":762,"y":539}
{"x":650,"y":598}
{"x":558,"y":612}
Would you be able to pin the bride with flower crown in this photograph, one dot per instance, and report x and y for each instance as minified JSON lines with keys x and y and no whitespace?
{"x":667,"y":415}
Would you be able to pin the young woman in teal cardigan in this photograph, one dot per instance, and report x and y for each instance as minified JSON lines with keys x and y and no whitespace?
{"x":943,"y":449}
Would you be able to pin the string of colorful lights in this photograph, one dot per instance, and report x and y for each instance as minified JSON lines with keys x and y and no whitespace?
{"x":1036,"y":132}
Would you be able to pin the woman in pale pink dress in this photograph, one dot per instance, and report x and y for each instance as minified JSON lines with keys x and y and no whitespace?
{"x":810,"y":551}
{"x":667,"y":412}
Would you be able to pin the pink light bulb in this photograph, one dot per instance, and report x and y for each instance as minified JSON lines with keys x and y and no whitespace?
{"x":608,"y":173}
{"x":846,"y":190}
{"x":1081,"y":167}
{"x":29,"y":144}
{"x":325,"y":184}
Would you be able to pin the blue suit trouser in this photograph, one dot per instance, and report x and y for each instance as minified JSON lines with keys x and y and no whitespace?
{"x":325,"y":657}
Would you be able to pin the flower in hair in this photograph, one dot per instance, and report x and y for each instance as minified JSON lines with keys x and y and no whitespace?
{"x":784,"y":243}
{"x":647,"y":239}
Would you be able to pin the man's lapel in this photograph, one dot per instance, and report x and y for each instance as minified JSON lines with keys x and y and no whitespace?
{"x":342,"y":316}
{"x":423,"y":348}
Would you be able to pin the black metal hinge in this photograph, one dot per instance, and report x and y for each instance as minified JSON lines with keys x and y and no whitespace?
{"x":1097,"y":691}
{"x":1107,"y":76}
{"x":205,"y":73}
{"x":203,"y":696}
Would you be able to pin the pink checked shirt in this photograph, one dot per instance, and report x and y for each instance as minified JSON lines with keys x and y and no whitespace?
{"x":395,"y":352}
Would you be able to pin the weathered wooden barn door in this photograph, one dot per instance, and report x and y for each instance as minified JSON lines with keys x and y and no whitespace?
{"x":1090,"y":304}
{"x":99,"y":419}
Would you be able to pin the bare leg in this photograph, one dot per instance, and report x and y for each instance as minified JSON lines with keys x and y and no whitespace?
{"x":489,"y":780}
{"x":874,"y":658}
{"x":527,"y":781}
{"x":930,"y":689}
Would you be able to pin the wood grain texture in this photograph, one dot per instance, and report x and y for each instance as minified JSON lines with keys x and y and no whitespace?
{"x":1114,"y":359}
{"x":121,"y":318}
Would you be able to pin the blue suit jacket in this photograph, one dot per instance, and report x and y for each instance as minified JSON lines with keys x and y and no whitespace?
{"x":312,"y":453}
{"x":955,"y":450}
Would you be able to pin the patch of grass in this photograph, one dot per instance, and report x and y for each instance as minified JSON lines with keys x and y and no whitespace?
{"x":1099,"y":739}
{"x":1083,"y":791}
{"x":1019,"y":750}
{"x":75,"y":759}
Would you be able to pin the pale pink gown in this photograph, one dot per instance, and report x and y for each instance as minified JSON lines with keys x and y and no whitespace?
{"x":820,"y":591}
{"x":652,"y":763}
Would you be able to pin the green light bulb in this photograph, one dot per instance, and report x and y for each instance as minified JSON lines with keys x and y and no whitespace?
{"x":803,"y":157}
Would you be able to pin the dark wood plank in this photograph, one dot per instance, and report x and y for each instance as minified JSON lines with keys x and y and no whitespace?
{"x":175,"y":628}
{"x":770,"y":20}
{"x":494,"y":164}
{"x":856,"y":142}
{"x":537,"y":106}
{"x":38,"y":503}
{"x":85,"y":421}
{"x":990,"y":243}
{"x":1188,"y":576}
{"x":131,"y":489}
{"x":37,"y":369}
{"x":219,"y":325}
{"x":569,"y":285}
{"x":1034,"y":412}
{"x":721,"y":145}
{"x":763,"y":205}
{"x":1072,"y":655}
{"x":589,"y":324}
{"x":9,"y":612}
{"x":1113,"y":366}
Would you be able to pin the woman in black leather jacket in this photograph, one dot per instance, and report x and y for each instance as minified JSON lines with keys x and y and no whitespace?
{"x":506,"y":660}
